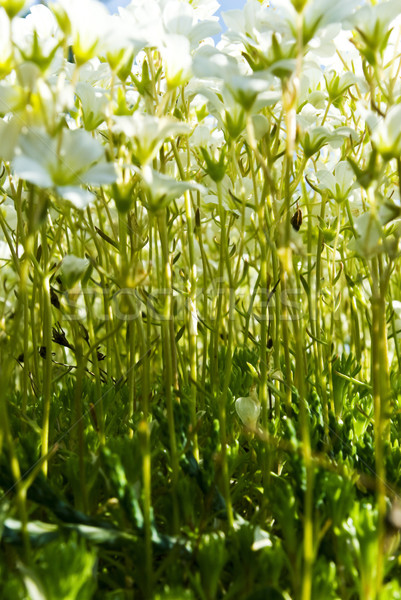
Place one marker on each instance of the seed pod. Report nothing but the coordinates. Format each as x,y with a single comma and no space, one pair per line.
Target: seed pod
248,410
393,517
100,355
54,299
296,219
59,337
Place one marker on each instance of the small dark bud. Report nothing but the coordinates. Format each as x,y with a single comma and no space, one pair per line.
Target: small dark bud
85,333
59,338
100,355
296,219
54,299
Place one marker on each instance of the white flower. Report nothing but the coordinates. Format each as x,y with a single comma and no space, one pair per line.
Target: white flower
338,185
321,13
5,44
387,135
374,23
177,60
368,235
93,102
144,16
9,213
180,19
38,36
120,42
246,89
9,133
210,62
148,133
10,97
162,189
205,9
313,139
252,24
64,162
86,21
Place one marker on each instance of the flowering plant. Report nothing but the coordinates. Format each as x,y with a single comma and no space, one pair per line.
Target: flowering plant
200,338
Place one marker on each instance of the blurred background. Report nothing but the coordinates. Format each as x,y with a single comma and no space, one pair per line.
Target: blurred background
113,5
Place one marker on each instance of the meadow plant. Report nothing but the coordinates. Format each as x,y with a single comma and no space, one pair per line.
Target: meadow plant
200,300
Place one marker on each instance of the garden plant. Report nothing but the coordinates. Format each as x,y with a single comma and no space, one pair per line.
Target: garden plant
200,300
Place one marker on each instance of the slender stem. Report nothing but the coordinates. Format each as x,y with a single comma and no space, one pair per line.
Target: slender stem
192,321
319,379
169,351
82,496
380,386
222,401
47,343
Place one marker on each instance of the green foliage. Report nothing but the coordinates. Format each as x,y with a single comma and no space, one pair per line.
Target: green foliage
200,307
64,569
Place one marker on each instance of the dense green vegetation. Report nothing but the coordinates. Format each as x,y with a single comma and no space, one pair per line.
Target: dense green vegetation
200,301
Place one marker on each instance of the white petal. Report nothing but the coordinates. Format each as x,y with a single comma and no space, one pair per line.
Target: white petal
32,171
100,174
77,196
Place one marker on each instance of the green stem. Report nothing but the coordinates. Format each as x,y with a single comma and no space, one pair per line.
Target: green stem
380,386
228,358
47,343
192,314
78,423
169,352
319,378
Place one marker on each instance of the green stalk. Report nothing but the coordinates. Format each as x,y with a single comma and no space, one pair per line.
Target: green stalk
380,386
78,422
99,408
192,314
125,279
47,342
285,277
205,312
22,268
192,324
222,403
7,438
144,436
308,541
169,352
215,337
319,379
